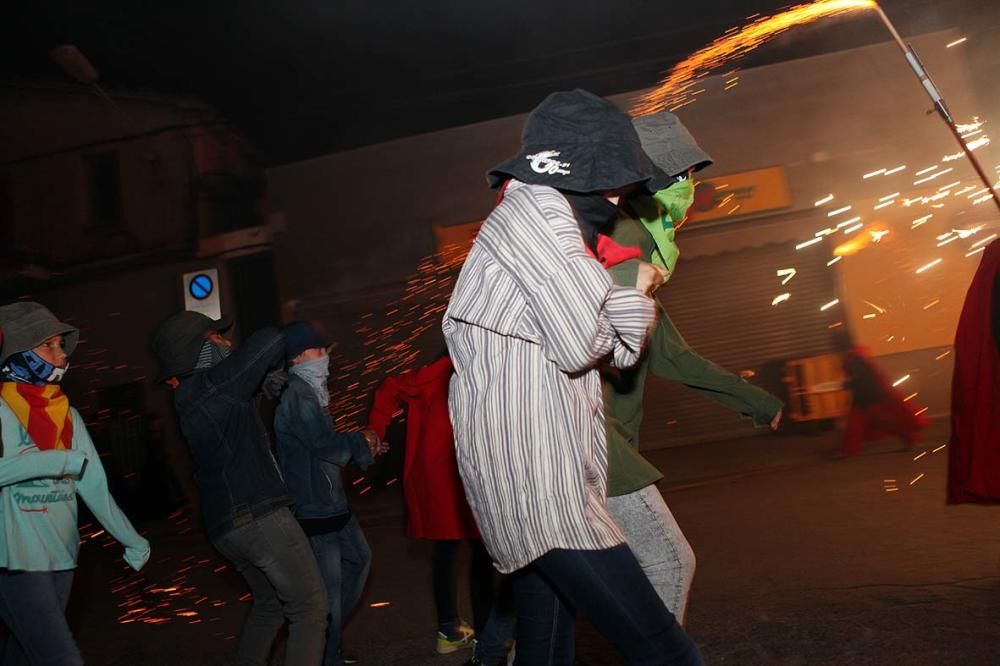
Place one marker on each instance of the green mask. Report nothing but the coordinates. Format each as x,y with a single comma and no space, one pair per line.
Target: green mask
677,199
660,213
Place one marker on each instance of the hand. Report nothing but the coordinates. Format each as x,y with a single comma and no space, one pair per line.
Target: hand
776,421
650,277
375,445
274,383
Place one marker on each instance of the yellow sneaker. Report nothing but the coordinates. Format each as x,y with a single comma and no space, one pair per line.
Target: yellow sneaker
463,637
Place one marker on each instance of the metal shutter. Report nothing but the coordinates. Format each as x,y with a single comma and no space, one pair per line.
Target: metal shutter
722,306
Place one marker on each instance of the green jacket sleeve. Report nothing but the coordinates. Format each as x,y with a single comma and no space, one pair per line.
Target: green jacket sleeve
672,358
40,465
93,489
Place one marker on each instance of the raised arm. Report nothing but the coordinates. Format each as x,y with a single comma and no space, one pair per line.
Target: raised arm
242,371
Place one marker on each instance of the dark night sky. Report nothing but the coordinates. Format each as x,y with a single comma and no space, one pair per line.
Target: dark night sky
308,77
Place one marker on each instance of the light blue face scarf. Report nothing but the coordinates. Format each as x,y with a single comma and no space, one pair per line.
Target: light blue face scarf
315,373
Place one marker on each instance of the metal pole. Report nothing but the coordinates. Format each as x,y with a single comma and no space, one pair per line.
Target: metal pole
939,103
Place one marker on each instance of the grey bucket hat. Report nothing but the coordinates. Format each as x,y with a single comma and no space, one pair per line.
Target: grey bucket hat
578,142
27,324
178,341
670,146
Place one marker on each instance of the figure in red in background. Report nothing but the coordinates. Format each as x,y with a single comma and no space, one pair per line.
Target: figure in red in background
974,451
435,498
877,409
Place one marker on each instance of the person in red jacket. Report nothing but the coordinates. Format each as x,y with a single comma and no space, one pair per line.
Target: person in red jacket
877,410
435,498
974,450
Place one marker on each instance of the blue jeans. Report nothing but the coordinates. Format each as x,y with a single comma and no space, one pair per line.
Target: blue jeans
609,588
344,560
273,554
33,606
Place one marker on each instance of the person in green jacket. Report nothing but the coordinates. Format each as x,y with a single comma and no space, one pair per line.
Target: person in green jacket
47,460
633,499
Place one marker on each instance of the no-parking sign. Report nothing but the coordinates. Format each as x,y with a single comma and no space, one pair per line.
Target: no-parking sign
201,292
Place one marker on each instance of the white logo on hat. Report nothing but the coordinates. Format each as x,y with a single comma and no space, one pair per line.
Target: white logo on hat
543,163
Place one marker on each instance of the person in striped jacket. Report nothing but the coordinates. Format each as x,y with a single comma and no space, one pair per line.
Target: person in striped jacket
531,317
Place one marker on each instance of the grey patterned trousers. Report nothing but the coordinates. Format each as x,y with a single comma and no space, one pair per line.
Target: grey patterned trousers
658,543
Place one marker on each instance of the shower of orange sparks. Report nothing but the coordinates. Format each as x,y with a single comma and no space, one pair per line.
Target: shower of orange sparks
677,89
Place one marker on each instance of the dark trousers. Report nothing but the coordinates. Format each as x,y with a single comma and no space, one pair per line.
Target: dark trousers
609,588
481,582
274,556
33,606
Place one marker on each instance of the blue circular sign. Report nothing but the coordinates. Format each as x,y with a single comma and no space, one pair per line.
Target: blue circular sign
201,287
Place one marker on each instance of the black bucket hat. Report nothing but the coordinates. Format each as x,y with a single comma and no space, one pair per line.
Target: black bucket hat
671,147
26,325
579,142
178,341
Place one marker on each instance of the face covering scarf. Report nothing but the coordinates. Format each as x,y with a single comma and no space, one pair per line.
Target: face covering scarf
27,367
39,405
211,354
315,373
660,214
594,214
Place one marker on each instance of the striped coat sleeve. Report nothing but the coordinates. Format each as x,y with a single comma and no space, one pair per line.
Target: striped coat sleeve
579,315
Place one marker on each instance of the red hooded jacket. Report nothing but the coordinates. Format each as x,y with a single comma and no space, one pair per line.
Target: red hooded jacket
974,451
435,497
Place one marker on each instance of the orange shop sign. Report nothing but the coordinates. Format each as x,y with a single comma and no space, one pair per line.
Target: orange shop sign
740,194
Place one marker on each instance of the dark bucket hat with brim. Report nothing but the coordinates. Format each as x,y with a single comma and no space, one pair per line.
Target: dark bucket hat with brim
579,142
670,146
178,341
26,325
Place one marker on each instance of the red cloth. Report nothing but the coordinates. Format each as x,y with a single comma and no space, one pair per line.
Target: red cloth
974,450
435,497
878,410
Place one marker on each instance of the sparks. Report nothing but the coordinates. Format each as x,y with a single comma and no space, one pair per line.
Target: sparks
939,448
917,478
781,298
808,243
957,42
827,199
676,88
941,356
833,261
838,211
928,266
984,241
829,305
787,273
900,381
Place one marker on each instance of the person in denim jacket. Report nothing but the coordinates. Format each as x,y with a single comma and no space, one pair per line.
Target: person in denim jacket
313,456
244,504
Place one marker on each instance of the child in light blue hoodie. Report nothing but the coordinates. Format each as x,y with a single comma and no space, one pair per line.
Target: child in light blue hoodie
48,459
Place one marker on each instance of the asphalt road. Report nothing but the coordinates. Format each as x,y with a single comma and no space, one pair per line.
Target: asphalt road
802,559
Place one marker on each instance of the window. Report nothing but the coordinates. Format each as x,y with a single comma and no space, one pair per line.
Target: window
104,188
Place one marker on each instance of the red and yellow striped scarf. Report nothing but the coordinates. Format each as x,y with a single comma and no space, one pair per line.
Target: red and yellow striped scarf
43,411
